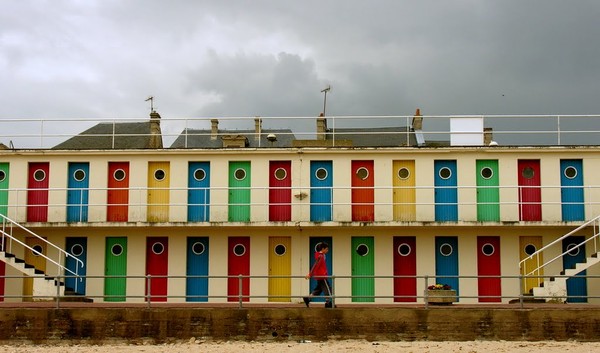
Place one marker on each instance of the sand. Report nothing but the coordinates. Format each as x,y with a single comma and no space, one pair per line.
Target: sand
329,346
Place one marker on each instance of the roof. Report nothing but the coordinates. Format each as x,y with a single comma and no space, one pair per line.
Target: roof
113,136
374,137
196,138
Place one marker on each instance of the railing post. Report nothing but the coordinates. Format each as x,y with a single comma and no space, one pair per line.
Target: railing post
148,289
332,292
240,290
425,292
57,283
521,289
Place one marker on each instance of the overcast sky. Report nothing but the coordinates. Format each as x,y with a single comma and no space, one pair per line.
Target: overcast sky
103,58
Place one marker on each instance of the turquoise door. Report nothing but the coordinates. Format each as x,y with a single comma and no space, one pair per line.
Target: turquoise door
115,283
488,193
77,193
328,261
571,192
199,192
239,192
446,194
363,266
321,191
77,247
197,269
577,285
446,261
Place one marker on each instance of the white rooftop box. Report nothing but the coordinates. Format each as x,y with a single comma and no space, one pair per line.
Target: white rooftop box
466,131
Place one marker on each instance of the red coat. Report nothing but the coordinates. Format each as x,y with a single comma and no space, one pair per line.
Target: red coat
319,269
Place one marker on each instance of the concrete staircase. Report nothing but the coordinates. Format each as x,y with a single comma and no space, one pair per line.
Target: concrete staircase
44,287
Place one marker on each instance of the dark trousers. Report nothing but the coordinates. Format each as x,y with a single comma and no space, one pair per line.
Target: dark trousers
322,287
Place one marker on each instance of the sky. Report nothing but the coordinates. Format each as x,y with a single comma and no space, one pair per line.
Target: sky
73,59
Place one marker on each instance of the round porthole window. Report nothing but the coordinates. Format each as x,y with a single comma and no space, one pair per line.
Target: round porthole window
116,250
362,173
198,248
321,173
446,249
158,248
2,175
37,250
403,173
280,250
119,175
488,249
487,172
528,173
199,174
570,172
404,249
530,249
362,250
572,249
239,174
39,175
77,250
239,250
445,173
159,174
79,175
280,173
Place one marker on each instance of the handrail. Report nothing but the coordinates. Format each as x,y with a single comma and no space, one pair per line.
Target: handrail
61,251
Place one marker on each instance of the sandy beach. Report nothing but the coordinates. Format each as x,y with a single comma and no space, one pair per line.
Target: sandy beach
329,346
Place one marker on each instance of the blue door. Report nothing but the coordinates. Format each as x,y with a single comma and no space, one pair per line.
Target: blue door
446,195
328,261
78,248
197,265
199,192
77,193
576,286
571,192
446,261
321,192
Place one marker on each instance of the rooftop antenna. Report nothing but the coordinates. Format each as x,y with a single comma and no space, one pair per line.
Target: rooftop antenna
327,89
151,99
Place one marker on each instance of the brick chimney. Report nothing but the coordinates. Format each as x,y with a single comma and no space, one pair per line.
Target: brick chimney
321,127
214,129
417,122
155,133
257,128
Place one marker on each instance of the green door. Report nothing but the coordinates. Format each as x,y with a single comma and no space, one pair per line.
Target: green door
363,264
239,192
488,193
116,265
4,189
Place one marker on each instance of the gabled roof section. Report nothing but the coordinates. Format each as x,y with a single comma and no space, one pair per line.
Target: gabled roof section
198,138
374,137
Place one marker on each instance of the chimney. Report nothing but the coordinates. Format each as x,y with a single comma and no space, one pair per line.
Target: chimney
321,127
257,128
155,133
214,128
417,122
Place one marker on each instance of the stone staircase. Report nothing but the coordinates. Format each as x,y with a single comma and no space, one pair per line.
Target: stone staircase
44,287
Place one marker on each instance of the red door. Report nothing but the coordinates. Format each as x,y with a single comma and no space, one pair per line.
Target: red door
530,193
157,264
405,264
118,192
37,192
488,264
363,194
280,192
238,263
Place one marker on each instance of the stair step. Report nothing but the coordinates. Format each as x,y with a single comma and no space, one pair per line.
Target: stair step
9,255
28,265
19,261
39,272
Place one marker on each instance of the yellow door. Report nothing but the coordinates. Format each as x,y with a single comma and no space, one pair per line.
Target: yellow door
404,190
528,245
33,258
158,191
280,264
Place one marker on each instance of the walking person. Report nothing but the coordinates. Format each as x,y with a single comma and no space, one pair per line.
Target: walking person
319,273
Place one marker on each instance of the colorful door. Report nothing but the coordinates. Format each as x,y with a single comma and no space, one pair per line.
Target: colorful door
158,191
488,264
321,191
238,263
157,267
363,193
4,169
78,193
239,192
36,259
77,247
404,177
405,264
118,192
488,193
280,265
446,261
197,265
446,195
37,192
363,264
115,284
571,192
313,242
528,246
280,191
530,193
576,285
199,192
